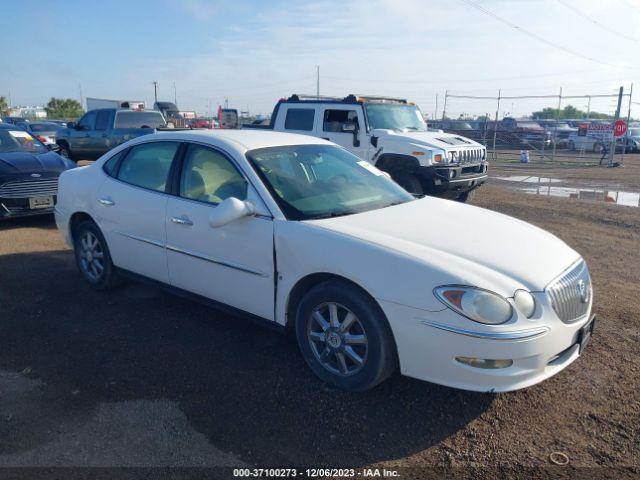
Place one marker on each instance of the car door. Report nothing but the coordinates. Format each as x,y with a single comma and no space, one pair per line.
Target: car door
131,207
344,125
98,141
80,136
232,263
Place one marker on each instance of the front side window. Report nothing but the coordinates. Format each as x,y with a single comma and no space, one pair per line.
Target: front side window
334,120
87,121
102,119
299,119
139,120
208,176
148,165
320,181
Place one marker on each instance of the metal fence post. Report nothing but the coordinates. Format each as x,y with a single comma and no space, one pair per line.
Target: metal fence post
553,153
624,148
612,144
495,127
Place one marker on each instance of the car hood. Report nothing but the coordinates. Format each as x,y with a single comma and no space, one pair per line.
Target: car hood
23,162
444,141
471,245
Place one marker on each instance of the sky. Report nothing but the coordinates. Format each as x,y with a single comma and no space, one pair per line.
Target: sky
255,52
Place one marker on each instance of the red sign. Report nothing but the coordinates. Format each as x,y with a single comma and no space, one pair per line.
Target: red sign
620,128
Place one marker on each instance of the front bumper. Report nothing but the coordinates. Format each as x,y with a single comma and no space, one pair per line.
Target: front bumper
539,348
453,180
19,207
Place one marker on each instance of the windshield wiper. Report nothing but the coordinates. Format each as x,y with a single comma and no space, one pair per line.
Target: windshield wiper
332,214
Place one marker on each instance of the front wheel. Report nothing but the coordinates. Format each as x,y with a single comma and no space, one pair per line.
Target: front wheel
409,182
92,256
466,196
344,337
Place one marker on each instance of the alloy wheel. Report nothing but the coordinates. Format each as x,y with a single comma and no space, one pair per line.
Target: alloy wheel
337,338
91,256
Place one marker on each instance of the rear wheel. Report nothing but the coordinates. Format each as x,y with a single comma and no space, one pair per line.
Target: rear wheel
344,337
466,196
409,182
92,256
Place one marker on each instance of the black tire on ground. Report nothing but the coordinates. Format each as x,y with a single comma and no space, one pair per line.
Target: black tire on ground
466,196
409,182
88,253
378,354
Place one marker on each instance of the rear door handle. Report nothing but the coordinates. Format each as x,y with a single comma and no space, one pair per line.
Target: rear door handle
186,221
106,201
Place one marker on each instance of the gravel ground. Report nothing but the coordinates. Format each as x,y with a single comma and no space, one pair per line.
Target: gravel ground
138,377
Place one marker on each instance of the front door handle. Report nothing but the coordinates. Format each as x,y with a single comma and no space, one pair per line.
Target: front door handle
106,201
186,221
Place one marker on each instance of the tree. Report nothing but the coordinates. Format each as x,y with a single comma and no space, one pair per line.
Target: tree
567,112
4,107
63,108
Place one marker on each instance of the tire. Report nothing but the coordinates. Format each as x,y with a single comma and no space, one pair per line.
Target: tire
352,349
409,182
466,196
92,256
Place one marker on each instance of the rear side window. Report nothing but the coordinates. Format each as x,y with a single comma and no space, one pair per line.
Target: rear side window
148,165
299,119
139,120
102,120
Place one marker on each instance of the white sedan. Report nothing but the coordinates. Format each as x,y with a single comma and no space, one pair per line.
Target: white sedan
298,232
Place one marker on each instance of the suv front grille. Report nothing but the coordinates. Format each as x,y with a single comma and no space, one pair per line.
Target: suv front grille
571,293
470,155
29,188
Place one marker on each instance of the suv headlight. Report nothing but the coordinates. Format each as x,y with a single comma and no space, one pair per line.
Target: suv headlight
474,303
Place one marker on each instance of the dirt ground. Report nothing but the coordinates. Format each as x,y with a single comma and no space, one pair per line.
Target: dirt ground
137,377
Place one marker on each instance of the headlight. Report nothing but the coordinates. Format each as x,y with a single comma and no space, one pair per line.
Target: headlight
474,303
525,303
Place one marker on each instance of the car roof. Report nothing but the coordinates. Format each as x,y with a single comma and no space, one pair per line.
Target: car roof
248,139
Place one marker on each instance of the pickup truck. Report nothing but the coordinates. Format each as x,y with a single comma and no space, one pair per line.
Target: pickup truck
391,134
98,131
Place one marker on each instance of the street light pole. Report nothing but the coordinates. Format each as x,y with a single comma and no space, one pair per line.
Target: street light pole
155,91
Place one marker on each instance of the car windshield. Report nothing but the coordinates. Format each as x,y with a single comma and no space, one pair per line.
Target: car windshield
321,181
45,127
395,116
12,141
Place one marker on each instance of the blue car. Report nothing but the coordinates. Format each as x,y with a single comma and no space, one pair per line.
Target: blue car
29,173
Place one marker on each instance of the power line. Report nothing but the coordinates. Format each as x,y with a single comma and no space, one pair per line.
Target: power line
540,38
595,22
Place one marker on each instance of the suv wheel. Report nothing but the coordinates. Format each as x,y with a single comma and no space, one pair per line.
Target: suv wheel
344,337
92,256
409,182
466,196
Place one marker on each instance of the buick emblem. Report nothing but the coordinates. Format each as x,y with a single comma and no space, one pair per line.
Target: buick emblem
583,291
36,175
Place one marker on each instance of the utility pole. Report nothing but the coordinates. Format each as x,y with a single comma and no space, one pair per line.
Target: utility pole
495,127
226,102
553,154
175,96
318,81
612,145
628,119
435,112
444,108
81,99
155,91
588,107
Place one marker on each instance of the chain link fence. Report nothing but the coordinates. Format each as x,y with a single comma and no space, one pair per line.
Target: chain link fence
558,128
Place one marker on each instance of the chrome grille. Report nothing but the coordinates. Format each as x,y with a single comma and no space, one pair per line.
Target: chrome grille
571,293
467,156
29,188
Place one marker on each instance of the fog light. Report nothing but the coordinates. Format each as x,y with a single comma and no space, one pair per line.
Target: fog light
484,363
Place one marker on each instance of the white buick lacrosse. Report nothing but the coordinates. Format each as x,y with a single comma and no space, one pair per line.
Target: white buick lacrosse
299,233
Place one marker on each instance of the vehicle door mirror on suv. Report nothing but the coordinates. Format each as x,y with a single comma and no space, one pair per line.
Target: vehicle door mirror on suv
352,128
71,124
229,210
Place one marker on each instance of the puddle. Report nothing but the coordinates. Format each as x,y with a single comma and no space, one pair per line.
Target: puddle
528,179
544,187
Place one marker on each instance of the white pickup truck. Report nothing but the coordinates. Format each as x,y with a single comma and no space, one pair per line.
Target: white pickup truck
391,134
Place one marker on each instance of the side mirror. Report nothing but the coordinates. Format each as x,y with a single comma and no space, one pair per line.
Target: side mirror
229,210
71,124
